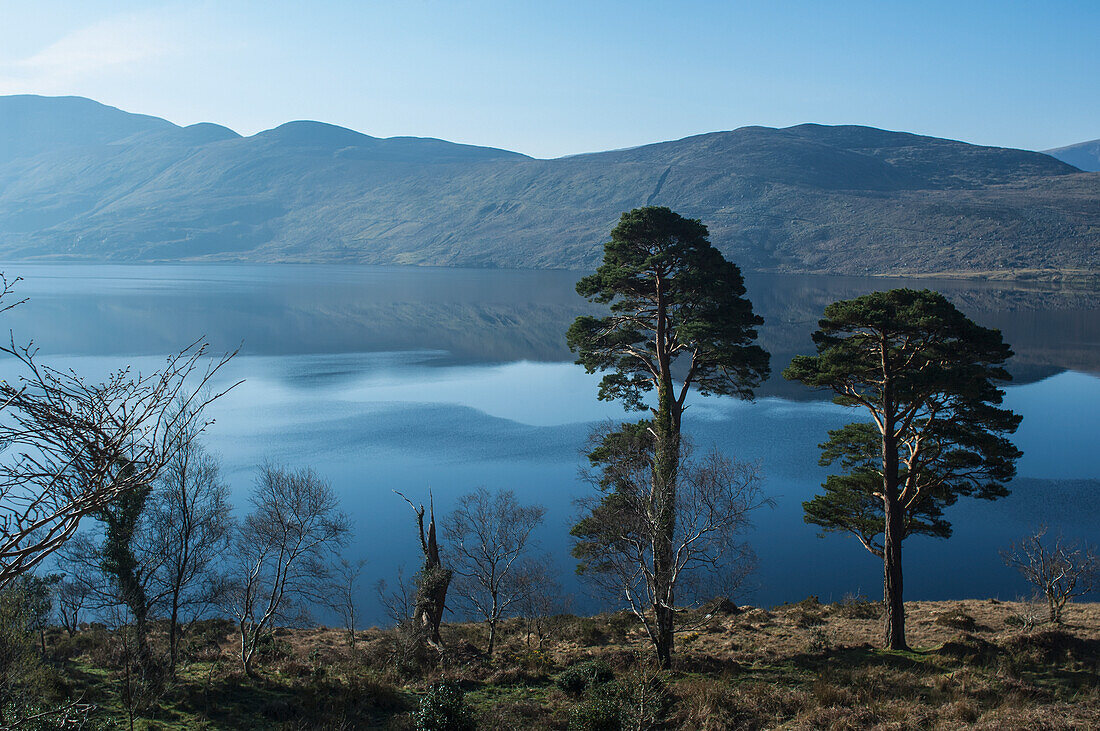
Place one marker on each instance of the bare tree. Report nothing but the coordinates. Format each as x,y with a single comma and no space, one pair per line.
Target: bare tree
140,684
283,552
343,597
115,568
1060,571
188,525
541,597
70,446
489,534
432,581
399,603
161,548
615,538
72,598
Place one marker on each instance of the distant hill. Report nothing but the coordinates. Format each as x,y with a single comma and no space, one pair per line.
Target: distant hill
1083,155
79,180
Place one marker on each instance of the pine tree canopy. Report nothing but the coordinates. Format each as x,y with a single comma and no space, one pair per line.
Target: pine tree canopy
928,377
672,297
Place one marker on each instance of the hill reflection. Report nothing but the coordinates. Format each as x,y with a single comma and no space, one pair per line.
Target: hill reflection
467,316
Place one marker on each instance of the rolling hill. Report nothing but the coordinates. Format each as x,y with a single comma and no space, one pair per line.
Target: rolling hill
79,180
1083,155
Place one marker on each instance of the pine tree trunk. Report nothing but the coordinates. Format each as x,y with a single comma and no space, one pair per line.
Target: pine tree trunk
893,600
893,529
665,471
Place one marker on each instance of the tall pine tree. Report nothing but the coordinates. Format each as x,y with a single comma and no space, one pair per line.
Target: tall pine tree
678,320
928,378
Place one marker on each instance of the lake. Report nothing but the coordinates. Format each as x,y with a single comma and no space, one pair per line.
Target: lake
410,379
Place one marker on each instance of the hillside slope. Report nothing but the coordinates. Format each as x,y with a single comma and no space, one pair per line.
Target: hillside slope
809,198
1084,155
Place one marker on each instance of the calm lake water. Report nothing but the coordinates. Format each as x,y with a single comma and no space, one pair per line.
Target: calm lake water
387,378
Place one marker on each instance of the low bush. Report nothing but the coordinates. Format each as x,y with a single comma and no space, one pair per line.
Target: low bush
957,619
591,633
601,710
857,607
443,708
581,676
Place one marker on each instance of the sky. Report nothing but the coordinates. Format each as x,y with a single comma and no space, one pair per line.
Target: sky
554,78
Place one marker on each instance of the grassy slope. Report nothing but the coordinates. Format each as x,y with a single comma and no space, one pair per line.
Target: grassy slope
797,666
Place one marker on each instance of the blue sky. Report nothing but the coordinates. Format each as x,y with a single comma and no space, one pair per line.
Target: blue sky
554,78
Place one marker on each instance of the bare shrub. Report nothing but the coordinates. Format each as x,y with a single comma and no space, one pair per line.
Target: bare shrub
714,501
1058,570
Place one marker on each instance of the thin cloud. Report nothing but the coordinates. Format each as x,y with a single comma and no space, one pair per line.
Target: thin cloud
119,44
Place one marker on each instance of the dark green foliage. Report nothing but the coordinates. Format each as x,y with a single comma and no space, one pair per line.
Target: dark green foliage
443,708
943,401
850,503
35,597
581,676
600,710
928,378
658,260
618,457
26,682
118,561
639,700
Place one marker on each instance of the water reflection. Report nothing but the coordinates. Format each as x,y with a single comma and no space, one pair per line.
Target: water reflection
467,316
392,378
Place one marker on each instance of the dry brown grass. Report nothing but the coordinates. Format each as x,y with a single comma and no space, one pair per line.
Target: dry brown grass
801,666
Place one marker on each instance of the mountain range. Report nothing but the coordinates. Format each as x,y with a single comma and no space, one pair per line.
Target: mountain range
84,181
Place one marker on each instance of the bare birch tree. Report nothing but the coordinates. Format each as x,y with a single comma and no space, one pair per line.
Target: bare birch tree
541,597
284,552
72,599
188,524
343,599
489,534
615,538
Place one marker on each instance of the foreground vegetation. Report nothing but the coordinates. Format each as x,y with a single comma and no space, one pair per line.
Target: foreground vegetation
979,663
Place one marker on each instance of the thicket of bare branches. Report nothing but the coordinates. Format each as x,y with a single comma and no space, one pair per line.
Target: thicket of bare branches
72,445
72,599
540,597
283,553
398,599
189,523
343,600
174,550
1058,570
489,534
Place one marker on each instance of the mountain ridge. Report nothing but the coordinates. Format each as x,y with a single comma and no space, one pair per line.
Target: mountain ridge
808,198
1083,155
